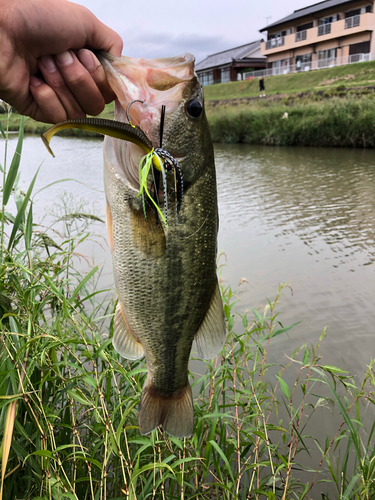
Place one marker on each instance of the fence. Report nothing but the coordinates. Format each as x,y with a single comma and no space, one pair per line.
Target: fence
285,68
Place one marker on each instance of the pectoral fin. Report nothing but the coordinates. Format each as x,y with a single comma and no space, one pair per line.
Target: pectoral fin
211,334
123,339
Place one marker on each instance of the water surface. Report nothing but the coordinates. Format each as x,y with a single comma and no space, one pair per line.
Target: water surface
302,215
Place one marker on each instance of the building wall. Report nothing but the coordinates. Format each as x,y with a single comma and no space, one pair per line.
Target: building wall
342,44
341,9
340,37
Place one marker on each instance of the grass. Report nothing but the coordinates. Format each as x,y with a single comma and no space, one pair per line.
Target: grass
68,401
33,127
335,122
351,75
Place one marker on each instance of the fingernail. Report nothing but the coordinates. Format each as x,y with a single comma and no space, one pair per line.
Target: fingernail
34,81
48,63
65,58
87,59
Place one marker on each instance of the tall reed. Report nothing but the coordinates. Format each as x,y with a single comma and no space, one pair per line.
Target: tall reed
68,401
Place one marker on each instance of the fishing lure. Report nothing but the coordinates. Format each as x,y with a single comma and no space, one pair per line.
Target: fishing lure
157,158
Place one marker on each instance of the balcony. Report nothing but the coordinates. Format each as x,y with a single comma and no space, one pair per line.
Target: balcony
352,22
308,66
301,35
275,42
343,27
324,29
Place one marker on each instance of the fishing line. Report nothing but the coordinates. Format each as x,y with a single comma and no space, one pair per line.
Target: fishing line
190,235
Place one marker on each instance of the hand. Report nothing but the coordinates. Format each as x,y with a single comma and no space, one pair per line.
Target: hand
46,69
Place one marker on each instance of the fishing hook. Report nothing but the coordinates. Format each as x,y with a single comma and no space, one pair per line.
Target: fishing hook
127,110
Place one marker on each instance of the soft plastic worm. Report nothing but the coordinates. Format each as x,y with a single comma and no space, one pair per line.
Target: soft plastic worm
113,128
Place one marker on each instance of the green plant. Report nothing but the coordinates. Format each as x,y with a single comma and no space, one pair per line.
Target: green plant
68,401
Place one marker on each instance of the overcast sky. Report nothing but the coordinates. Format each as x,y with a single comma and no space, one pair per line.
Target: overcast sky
163,28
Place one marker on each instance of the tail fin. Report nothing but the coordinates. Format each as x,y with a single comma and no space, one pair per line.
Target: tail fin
175,413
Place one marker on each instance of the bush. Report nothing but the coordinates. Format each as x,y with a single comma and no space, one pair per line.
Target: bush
338,122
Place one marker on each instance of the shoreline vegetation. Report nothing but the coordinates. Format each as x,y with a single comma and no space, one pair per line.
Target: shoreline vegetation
68,401
329,107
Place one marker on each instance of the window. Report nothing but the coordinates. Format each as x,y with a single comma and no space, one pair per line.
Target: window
301,35
359,48
305,26
275,42
327,58
324,29
352,13
359,52
324,24
225,75
206,78
276,67
303,63
329,19
352,22
285,66
286,32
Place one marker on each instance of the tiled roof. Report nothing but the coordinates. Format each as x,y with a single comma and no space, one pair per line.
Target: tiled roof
306,11
227,56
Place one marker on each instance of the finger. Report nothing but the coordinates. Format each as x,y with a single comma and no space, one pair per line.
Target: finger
54,79
46,106
99,36
80,83
96,70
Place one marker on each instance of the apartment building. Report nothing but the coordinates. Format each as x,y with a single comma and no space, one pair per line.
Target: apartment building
325,34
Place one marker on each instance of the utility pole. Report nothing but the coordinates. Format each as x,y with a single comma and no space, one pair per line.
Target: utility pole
266,18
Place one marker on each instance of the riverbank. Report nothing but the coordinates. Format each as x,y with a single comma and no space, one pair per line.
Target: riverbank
332,107
335,122
37,128
351,75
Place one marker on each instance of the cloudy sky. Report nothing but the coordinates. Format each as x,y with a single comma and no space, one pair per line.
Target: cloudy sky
160,28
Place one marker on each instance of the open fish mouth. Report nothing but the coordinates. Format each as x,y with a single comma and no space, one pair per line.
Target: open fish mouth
150,84
147,91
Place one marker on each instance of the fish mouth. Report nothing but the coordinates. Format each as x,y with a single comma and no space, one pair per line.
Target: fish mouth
154,82
145,89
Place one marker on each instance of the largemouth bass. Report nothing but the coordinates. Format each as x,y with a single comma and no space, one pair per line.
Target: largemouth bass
165,275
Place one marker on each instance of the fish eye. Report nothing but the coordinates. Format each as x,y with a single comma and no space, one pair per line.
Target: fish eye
194,108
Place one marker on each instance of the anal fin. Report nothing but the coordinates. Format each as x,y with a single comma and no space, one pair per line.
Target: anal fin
175,414
123,339
211,334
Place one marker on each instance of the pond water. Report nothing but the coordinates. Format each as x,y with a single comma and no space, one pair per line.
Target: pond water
302,215
306,216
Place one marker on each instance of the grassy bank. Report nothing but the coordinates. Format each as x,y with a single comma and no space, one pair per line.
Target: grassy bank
338,122
33,127
351,75
328,107
68,401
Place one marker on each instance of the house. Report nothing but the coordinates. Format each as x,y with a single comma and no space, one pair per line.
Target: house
325,34
228,66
